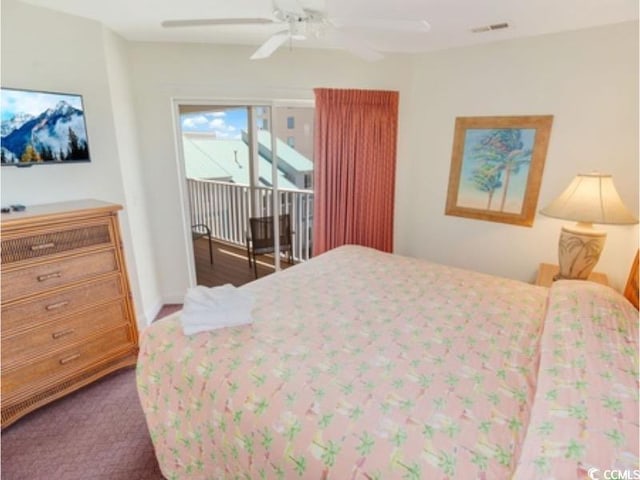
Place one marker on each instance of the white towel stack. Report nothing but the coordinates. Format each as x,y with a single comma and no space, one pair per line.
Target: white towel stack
212,308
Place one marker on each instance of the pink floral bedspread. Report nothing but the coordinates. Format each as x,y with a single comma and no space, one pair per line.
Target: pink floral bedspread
358,365
584,422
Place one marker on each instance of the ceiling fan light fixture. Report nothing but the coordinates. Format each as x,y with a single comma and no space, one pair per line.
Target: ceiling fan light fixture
298,31
302,24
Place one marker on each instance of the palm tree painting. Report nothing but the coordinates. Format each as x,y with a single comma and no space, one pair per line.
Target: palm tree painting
496,161
496,167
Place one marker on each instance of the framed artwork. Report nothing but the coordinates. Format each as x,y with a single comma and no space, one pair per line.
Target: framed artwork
496,167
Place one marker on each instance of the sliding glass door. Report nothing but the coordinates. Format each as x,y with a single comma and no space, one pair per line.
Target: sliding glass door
243,162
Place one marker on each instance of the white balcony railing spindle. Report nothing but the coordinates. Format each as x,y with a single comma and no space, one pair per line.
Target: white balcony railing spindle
225,207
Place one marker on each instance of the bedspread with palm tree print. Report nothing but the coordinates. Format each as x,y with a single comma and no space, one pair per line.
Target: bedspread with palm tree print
358,365
584,422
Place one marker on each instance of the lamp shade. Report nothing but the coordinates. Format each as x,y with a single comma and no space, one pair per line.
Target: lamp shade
590,198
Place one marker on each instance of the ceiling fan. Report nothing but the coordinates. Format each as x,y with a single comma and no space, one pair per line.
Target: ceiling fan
301,23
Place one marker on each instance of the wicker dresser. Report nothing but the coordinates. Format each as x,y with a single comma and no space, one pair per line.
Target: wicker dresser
67,316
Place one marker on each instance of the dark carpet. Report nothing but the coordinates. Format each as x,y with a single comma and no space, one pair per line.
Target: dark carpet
98,432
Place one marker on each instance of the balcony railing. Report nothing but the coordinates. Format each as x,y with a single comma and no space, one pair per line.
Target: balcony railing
226,208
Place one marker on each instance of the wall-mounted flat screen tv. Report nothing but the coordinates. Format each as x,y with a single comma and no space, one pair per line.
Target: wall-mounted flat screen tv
42,128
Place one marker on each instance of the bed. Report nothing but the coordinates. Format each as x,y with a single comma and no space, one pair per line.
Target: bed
366,365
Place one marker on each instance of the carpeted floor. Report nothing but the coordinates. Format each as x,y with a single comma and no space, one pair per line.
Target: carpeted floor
98,433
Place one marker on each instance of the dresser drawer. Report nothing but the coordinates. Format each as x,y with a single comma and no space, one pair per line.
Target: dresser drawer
51,242
38,278
24,315
22,348
52,369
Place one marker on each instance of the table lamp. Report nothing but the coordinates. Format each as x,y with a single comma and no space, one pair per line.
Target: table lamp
589,198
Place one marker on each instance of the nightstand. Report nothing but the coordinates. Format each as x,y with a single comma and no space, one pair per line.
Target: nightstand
546,272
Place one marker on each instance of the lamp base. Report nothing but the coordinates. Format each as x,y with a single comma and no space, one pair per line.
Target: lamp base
578,251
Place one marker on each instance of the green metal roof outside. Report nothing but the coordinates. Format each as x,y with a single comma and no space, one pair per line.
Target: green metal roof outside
225,160
285,153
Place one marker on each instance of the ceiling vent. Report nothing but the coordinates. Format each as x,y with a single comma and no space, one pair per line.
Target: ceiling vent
488,28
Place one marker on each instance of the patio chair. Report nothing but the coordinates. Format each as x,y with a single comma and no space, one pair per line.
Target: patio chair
260,238
200,230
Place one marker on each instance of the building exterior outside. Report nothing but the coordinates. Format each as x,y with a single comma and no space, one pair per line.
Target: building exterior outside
294,125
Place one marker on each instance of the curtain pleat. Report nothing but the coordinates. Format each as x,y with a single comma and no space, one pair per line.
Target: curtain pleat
355,160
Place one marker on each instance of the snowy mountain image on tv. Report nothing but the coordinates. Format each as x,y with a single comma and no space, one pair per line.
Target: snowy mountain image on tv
42,127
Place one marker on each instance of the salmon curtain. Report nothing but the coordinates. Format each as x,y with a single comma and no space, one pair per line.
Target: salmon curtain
355,161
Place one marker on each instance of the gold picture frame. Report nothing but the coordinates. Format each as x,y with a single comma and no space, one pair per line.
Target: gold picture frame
496,167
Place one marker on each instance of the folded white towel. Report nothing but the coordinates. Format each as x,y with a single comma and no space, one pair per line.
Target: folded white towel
212,308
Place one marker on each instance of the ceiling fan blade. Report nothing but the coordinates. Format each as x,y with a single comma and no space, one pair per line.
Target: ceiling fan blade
271,45
418,26
290,6
200,22
354,45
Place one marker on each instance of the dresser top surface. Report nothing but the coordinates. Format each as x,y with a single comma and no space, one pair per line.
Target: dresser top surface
58,211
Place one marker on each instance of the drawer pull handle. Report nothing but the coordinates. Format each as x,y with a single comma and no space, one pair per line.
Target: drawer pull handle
55,306
70,358
43,246
62,333
49,276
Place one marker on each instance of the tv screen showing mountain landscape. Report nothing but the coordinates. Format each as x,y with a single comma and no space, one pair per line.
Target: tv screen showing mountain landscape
40,128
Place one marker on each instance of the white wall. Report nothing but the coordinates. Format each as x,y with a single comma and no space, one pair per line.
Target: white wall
144,277
61,53
587,79
162,72
45,50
